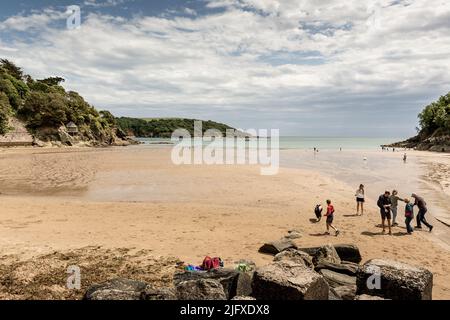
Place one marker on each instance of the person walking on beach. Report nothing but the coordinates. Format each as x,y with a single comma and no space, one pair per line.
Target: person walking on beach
394,206
360,199
405,157
409,215
330,218
422,205
384,203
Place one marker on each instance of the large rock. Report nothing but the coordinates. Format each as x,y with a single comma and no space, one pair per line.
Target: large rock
335,279
287,280
202,289
116,289
322,254
348,252
151,293
345,292
295,256
368,297
397,280
276,247
235,283
332,295
348,268
294,234
243,298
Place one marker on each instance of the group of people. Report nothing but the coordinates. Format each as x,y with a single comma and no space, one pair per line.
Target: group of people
388,204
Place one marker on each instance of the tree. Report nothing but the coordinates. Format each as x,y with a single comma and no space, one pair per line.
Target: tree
108,117
44,110
5,113
52,81
12,69
11,92
436,116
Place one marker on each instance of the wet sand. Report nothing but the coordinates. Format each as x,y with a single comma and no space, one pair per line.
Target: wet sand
135,198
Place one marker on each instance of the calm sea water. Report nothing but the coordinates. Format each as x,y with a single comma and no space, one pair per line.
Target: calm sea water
322,143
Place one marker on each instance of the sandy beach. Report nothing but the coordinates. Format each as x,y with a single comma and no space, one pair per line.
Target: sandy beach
131,212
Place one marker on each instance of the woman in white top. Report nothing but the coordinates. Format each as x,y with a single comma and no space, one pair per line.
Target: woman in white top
360,199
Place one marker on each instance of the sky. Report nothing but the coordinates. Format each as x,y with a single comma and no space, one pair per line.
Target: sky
306,67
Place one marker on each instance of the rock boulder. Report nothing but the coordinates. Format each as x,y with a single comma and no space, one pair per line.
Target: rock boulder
276,247
116,289
202,289
394,280
287,280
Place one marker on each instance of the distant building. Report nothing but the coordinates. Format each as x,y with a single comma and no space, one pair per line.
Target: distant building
72,128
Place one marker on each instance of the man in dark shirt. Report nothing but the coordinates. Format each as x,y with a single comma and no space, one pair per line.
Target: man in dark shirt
422,205
384,203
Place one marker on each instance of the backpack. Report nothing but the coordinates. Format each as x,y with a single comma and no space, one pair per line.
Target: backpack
211,263
318,211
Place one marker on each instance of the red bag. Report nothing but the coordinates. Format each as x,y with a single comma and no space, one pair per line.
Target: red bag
211,263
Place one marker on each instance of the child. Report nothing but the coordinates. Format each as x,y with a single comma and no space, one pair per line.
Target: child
330,218
409,214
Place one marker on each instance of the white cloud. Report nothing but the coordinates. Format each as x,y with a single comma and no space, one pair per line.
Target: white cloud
257,63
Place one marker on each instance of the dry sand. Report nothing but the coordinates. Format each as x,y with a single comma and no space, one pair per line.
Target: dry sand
101,207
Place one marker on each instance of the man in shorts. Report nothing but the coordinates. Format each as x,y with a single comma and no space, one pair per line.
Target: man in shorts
385,204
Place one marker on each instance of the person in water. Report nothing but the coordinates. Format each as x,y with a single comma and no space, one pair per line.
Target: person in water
330,218
384,203
360,199
409,216
422,205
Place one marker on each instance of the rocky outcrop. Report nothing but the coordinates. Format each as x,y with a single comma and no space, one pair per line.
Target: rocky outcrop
345,292
437,142
234,283
296,256
243,298
348,268
293,234
202,289
323,254
150,294
394,280
336,279
367,297
276,247
287,280
116,289
348,252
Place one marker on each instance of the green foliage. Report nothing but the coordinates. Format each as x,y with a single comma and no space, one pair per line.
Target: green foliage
11,69
436,116
108,118
44,110
52,81
44,105
5,112
11,92
163,128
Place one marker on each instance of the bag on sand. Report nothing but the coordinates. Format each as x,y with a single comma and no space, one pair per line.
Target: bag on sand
318,211
211,263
